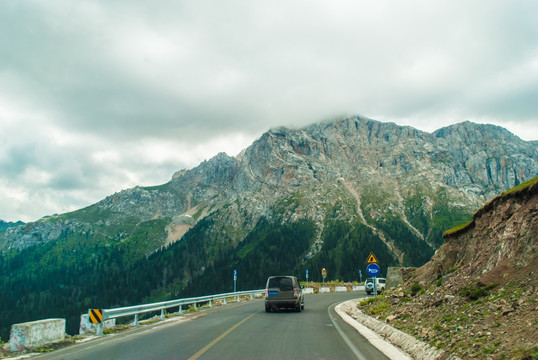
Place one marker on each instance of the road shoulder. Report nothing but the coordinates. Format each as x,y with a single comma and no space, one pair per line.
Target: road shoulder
393,343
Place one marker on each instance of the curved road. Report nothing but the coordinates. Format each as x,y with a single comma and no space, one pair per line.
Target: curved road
237,331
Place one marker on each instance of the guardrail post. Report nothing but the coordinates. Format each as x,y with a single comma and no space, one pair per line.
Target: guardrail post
162,314
251,296
194,306
237,299
210,303
136,320
180,310
225,303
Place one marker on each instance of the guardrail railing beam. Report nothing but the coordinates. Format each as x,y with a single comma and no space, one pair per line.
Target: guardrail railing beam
163,305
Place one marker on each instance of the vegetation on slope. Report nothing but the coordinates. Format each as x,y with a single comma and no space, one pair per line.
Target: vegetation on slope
345,249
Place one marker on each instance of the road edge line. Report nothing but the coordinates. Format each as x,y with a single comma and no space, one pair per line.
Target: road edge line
349,343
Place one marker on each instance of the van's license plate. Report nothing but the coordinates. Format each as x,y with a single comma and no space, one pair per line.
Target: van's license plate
273,292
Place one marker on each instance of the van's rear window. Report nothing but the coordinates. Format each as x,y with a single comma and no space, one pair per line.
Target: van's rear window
283,283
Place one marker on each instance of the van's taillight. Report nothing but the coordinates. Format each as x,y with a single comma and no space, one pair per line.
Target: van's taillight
266,292
295,292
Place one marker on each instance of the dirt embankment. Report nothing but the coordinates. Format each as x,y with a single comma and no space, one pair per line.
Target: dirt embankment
477,297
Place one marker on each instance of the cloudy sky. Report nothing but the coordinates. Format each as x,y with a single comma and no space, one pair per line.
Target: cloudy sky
99,96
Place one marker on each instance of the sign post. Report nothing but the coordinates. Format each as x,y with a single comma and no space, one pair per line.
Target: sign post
323,275
373,269
235,280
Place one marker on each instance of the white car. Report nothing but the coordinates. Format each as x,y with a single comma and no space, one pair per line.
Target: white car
379,284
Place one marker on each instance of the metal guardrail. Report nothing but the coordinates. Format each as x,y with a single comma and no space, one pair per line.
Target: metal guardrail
136,310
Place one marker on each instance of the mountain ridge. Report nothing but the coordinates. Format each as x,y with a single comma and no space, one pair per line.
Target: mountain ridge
290,158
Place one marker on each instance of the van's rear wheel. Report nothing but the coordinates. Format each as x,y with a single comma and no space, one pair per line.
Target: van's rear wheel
267,309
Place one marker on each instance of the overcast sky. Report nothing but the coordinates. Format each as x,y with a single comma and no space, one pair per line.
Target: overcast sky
100,96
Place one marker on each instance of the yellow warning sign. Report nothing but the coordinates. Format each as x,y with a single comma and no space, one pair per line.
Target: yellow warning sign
96,316
372,259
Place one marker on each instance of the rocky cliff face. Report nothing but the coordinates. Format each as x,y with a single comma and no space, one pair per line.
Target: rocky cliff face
485,159
376,173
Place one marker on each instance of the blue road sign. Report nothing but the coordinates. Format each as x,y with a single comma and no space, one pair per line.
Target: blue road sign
373,269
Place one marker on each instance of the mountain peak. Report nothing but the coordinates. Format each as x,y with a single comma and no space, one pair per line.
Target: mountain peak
474,131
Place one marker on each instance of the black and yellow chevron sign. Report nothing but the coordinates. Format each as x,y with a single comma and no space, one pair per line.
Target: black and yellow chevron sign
96,316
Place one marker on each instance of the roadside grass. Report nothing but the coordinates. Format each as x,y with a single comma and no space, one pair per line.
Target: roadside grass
55,346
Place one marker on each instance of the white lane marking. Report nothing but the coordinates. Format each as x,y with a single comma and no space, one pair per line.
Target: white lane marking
349,343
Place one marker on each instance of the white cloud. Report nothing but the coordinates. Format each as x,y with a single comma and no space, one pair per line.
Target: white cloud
96,96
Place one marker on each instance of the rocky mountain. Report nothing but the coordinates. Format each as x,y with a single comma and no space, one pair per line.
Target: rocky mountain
477,296
321,196
374,171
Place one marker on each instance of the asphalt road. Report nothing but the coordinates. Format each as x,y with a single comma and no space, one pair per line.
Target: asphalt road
237,331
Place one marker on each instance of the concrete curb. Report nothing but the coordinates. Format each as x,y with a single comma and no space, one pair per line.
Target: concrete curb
406,346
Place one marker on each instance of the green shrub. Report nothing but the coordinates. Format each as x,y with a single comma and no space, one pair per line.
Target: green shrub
367,301
415,288
379,308
523,353
475,292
